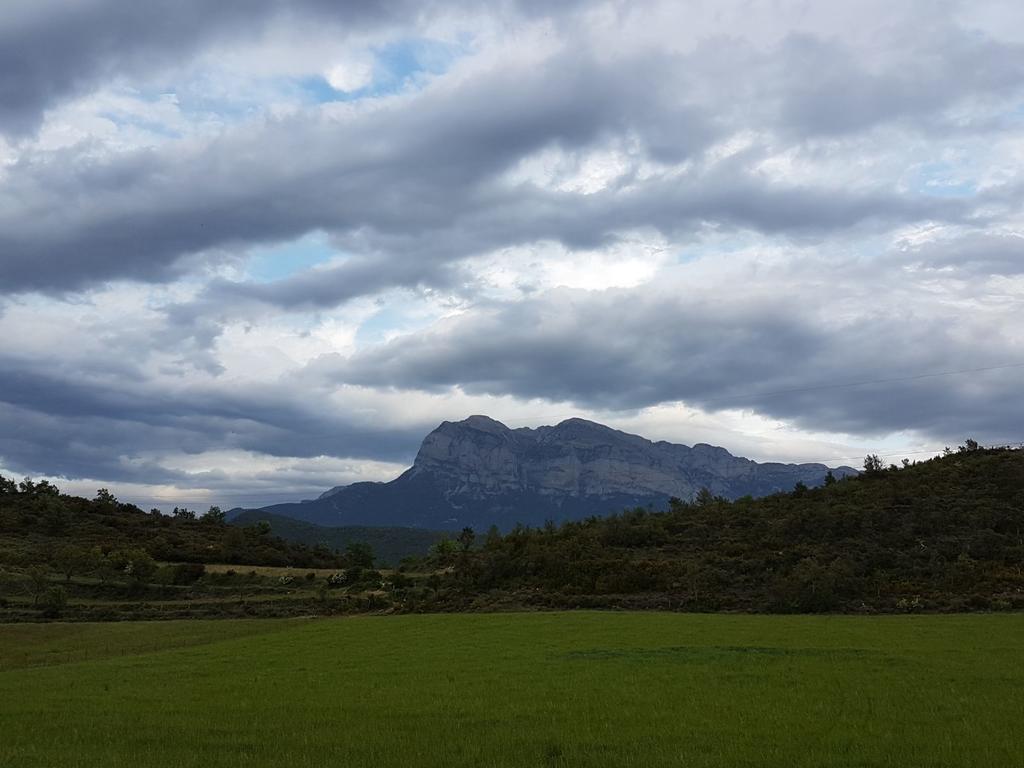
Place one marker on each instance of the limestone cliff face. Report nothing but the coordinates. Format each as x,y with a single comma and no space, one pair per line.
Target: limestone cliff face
480,457
478,472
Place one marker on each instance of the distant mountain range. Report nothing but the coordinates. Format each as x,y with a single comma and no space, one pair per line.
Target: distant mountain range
479,472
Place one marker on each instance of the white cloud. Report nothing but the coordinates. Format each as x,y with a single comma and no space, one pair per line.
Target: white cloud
351,73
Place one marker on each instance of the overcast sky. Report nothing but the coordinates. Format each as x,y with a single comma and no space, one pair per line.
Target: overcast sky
251,250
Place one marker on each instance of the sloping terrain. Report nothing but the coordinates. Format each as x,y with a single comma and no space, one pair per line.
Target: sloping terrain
947,533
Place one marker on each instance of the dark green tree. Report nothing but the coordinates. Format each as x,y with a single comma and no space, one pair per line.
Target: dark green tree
214,515
466,538
872,463
359,553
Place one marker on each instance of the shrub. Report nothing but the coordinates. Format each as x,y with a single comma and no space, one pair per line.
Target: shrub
188,573
54,602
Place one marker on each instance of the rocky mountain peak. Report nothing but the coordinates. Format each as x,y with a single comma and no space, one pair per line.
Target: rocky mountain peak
478,471
481,424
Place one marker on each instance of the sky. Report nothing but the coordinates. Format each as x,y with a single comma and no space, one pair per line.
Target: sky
251,250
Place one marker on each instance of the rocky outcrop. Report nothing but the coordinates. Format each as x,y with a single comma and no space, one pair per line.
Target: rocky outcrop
480,472
479,457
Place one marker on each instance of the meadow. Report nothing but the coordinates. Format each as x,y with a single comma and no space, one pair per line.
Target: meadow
526,689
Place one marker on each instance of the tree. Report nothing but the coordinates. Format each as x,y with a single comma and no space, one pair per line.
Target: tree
45,488
443,550
359,553
214,515
70,559
704,498
7,486
830,479
493,539
103,496
872,463
466,538
103,565
183,514
136,564
38,581
55,602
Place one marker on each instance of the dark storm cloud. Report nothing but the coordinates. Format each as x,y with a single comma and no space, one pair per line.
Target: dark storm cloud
405,170
80,425
637,348
417,180
673,207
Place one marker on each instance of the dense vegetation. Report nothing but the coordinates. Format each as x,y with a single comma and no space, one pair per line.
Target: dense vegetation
390,545
507,690
944,534
941,535
37,523
68,557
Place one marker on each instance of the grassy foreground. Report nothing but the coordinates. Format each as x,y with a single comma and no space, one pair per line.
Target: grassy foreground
554,689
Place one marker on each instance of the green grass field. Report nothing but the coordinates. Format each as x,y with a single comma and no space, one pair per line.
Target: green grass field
546,689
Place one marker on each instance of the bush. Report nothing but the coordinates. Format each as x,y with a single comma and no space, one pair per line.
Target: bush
54,602
188,573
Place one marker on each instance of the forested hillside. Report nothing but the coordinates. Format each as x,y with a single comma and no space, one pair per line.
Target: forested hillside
390,545
947,533
40,525
941,535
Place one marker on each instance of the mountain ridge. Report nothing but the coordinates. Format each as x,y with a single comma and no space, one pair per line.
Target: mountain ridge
479,472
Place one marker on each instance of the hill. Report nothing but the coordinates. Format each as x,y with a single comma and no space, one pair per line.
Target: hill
941,534
478,473
389,545
39,524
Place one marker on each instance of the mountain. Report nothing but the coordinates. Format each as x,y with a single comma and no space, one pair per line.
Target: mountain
479,472
389,545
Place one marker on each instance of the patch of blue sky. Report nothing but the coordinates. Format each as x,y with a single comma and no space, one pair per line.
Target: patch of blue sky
1016,114
397,66
714,245
122,120
276,262
391,318
942,180
200,100
136,119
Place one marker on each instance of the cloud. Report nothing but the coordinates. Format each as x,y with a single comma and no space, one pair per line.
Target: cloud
266,444
352,74
978,253
418,177
51,50
790,352
627,211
